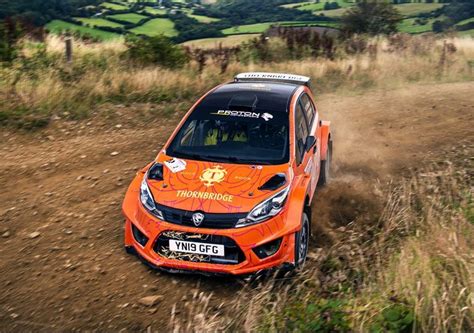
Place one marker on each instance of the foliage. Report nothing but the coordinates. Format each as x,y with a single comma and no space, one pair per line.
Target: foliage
10,32
157,50
371,17
39,12
397,317
317,316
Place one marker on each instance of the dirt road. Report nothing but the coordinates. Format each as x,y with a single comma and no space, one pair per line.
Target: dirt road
62,265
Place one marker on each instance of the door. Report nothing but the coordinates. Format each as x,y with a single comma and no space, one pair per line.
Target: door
314,161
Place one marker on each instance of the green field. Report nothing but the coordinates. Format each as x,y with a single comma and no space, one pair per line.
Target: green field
200,18
58,26
129,17
158,26
413,9
229,41
261,27
113,6
469,20
409,26
155,11
312,6
98,22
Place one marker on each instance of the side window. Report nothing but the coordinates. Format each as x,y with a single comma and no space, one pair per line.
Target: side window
301,132
308,109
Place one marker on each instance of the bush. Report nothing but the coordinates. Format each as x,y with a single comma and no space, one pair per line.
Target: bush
371,17
158,50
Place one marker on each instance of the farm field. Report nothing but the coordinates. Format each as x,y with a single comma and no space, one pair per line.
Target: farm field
410,9
58,26
129,17
200,18
261,27
99,22
312,6
409,26
156,27
229,41
114,6
155,11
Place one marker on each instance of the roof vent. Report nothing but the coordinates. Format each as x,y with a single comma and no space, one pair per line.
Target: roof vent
243,102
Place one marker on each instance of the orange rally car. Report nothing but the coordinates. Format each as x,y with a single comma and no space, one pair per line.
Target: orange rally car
231,190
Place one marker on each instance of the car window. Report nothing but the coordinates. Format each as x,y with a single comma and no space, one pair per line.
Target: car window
308,109
233,137
301,132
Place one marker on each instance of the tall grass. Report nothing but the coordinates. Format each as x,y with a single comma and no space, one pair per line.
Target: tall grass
40,84
413,270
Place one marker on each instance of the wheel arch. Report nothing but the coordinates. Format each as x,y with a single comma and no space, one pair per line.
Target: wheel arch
325,138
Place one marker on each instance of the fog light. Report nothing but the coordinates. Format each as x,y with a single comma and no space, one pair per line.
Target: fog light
267,249
139,236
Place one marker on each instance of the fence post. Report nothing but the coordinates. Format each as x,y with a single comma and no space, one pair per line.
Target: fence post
68,41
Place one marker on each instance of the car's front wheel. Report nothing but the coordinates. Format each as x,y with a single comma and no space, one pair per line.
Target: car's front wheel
302,242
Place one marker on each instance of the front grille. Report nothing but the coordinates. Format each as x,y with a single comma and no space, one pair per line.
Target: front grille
211,220
233,253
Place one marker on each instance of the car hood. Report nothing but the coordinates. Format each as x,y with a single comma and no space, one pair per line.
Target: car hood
213,187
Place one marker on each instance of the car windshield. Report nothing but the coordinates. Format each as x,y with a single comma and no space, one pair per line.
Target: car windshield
243,137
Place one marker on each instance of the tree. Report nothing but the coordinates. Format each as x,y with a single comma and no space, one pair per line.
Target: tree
371,17
158,50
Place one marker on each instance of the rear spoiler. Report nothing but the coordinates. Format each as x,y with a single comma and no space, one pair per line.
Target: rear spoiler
273,77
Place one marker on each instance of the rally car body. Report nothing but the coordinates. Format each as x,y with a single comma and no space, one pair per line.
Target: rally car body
230,191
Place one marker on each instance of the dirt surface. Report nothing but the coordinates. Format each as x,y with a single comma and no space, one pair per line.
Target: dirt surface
62,263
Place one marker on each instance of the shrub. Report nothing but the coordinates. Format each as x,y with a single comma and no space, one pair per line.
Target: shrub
371,17
158,50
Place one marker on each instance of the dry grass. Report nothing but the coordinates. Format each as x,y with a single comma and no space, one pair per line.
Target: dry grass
413,270
42,85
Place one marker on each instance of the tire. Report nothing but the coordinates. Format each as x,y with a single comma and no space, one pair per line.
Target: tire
302,241
325,174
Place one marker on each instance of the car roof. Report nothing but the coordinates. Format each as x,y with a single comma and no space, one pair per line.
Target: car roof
251,96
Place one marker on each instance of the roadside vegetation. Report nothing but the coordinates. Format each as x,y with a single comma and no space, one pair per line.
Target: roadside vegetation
410,269
38,84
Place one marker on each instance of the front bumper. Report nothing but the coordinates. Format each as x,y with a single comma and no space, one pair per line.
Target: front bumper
240,240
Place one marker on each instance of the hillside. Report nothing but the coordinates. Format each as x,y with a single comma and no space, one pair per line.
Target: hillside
189,20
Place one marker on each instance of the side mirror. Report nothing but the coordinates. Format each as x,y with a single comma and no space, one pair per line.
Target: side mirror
310,143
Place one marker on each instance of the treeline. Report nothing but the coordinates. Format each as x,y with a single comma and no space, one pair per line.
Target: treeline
453,13
39,12
238,12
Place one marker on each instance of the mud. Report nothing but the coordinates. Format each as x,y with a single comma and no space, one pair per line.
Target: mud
62,264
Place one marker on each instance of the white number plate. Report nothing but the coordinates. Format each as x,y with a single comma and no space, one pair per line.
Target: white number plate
198,248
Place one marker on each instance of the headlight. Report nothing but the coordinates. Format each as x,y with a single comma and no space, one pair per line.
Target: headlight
147,199
265,210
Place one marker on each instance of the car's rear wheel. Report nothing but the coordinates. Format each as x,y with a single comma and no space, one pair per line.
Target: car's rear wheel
302,242
324,175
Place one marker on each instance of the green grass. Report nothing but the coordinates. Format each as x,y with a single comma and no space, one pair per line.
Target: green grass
98,22
155,11
113,6
312,6
156,27
413,9
229,41
200,18
469,20
129,17
408,25
261,27
58,26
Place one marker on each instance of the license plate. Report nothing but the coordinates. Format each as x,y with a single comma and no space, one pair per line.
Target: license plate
197,248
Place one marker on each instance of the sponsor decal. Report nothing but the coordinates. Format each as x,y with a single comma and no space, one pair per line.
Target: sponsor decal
216,174
204,195
267,116
176,165
244,114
